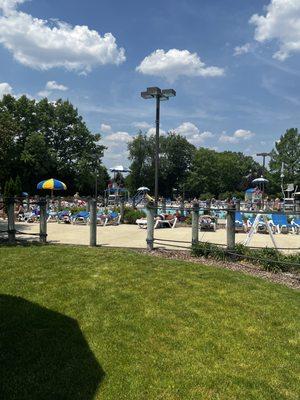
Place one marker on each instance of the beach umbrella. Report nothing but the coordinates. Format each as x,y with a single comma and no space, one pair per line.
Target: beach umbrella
143,189
51,184
260,180
119,168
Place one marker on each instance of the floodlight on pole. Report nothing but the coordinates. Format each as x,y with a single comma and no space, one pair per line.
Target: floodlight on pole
160,95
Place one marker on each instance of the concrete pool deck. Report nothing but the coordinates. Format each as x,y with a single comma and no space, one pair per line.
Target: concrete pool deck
133,236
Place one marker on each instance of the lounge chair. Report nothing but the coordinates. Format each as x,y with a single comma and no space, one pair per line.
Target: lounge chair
295,223
163,223
64,216
280,224
142,223
81,217
240,225
261,226
207,223
113,218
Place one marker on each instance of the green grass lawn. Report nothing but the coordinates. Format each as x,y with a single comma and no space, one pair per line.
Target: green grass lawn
81,323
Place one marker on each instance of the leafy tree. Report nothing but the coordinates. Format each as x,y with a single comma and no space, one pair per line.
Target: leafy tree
286,151
176,155
45,139
219,172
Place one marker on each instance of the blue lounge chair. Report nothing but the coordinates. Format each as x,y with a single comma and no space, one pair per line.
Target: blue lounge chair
239,223
82,216
280,223
295,223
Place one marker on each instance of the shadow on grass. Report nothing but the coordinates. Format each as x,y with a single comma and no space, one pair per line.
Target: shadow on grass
43,354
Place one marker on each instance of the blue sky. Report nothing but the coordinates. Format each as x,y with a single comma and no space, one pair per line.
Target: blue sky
234,65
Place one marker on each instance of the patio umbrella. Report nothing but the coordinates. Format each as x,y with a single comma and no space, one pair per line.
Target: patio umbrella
51,184
119,168
143,189
260,180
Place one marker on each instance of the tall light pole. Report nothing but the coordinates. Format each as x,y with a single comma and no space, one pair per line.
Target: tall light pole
159,95
264,155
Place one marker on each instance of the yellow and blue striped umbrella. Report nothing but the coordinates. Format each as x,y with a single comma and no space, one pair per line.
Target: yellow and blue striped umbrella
52,184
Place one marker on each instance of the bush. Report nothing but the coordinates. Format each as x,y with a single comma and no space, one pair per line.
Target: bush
130,215
268,258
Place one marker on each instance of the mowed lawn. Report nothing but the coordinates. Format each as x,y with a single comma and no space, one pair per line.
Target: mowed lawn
91,323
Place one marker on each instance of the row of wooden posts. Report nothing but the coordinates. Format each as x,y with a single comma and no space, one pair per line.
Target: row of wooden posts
230,226
151,212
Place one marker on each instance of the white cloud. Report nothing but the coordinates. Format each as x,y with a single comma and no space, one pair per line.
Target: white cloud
116,143
175,63
281,23
105,128
193,134
240,134
141,125
44,93
239,50
119,137
53,85
38,44
5,88
152,131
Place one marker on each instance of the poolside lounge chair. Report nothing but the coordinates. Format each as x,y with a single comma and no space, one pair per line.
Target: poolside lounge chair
261,226
280,224
81,217
207,223
295,223
113,218
166,223
52,216
240,225
142,223
64,216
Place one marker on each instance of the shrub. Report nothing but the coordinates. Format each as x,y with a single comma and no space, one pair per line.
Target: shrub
268,258
130,215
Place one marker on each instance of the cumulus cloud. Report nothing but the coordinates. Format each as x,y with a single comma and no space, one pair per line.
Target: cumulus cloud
39,44
152,131
240,134
116,143
239,50
105,128
193,134
174,63
141,125
118,137
53,85
5,88
281,23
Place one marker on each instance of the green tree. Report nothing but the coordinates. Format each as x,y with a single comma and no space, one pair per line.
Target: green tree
176,155
45,139
286,151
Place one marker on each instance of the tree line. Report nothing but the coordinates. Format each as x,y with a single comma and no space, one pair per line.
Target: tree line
206,173
43,139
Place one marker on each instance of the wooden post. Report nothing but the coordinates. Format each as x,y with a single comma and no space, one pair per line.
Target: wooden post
88,204
238,204
122,209
195,224
93,222
231,228
150,209
11,220
43,220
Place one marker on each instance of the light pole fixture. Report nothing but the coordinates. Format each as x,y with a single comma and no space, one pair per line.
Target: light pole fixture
264,155
159,95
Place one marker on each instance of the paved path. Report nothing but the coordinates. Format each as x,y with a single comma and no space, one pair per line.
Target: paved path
133,236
